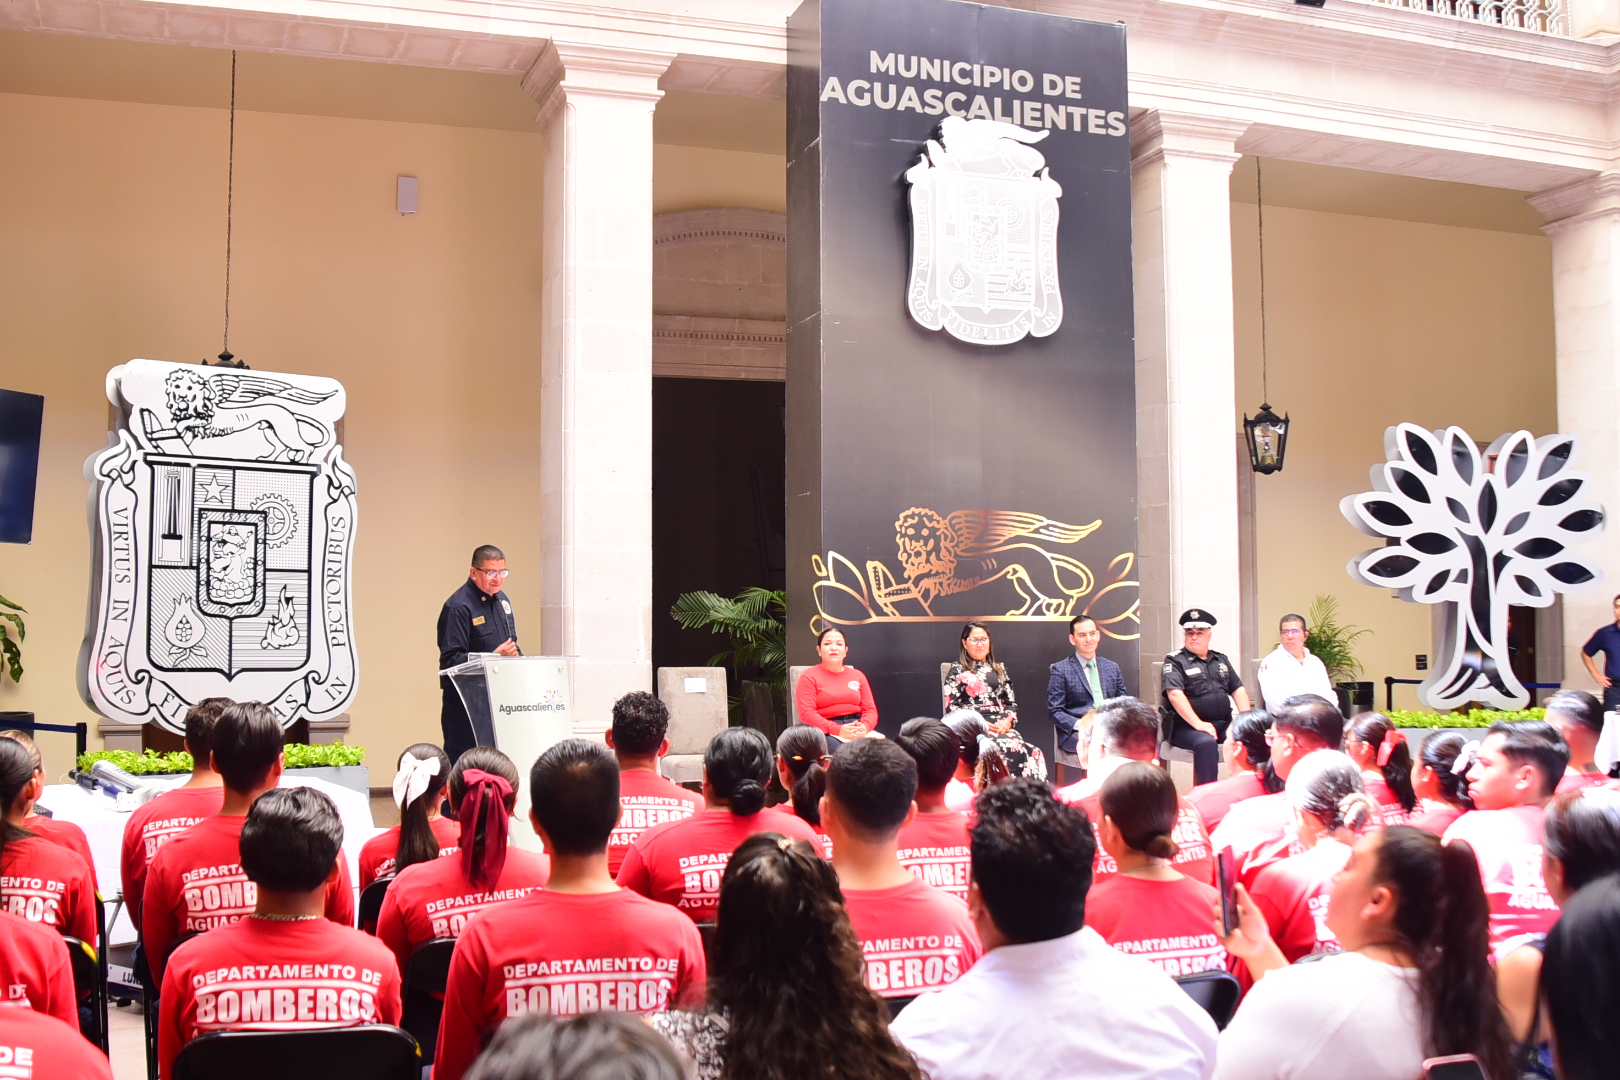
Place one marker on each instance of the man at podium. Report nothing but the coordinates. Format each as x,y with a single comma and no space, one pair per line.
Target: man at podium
476,619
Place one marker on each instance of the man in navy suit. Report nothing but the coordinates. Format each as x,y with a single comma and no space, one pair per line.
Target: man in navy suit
1079,683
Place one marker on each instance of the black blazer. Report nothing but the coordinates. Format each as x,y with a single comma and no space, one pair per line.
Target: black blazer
1068,694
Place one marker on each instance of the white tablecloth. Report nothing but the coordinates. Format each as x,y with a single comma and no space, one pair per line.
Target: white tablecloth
103,826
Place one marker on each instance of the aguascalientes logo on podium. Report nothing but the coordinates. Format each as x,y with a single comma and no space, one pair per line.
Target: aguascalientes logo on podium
225,519
984,224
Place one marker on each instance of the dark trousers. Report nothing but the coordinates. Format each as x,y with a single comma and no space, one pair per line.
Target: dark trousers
1611,697
453,722
1206,751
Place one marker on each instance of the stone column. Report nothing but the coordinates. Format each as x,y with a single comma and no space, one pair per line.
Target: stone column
1187,495
1583,221
596,110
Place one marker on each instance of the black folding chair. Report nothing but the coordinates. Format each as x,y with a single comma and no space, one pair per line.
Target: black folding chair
425,975
367,1052
91,988
149,1008
371,901
706,930
101,968
1216,992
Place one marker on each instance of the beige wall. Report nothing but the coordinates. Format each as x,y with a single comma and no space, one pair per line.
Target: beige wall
113,219
1374,322
699,178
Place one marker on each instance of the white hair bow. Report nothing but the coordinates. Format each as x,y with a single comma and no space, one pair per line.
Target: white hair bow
412,778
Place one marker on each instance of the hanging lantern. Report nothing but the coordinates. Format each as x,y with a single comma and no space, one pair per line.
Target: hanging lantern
1267,436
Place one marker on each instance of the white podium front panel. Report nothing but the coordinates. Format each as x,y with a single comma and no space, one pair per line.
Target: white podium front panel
530,704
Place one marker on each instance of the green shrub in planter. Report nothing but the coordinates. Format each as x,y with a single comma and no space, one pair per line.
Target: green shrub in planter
1473,718
296,756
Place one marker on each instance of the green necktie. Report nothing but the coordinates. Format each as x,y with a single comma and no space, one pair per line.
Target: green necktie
1096,683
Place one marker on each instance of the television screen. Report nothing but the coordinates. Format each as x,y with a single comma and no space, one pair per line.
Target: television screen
20,416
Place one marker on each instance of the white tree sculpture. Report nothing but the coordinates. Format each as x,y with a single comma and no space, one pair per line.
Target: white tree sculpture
1477,533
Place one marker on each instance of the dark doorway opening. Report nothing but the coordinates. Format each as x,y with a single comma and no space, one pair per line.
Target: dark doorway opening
719,501
1522,646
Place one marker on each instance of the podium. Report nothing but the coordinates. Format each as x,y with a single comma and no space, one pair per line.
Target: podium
522,706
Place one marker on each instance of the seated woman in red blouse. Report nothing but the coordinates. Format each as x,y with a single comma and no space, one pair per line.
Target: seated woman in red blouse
832,696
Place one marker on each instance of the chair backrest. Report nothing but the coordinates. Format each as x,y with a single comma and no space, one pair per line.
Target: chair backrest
423,993
794,671
944,690
706,930
1216,992
366,1052
371,901
695,715
90,985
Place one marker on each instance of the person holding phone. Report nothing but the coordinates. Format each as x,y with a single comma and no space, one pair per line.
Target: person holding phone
1414,980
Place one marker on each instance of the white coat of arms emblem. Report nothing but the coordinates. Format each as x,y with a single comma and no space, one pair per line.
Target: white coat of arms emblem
984,220
225,518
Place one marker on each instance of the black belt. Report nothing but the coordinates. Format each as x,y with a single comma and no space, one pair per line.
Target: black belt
847,718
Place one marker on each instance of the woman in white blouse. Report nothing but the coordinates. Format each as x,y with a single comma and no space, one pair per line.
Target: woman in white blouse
1413,982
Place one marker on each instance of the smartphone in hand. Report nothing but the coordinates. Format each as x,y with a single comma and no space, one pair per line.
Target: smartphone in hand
1226,881
1453,1067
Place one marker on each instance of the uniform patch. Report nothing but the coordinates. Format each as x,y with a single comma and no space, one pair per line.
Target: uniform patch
506,605
478,620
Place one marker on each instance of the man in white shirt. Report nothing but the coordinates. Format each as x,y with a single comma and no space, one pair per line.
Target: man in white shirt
1084,1009
1290,670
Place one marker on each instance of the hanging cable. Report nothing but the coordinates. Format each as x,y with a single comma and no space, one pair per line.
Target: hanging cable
1260,220
230,185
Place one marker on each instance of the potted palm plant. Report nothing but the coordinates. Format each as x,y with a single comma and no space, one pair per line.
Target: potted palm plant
12,632
755,621
1333,643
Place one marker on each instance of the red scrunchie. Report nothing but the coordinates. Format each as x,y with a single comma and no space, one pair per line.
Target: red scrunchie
484,804
1392,739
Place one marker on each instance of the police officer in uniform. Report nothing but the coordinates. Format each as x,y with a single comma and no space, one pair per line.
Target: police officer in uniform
476,619
1199,689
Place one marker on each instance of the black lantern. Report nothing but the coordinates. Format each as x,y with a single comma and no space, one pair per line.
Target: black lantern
1267,436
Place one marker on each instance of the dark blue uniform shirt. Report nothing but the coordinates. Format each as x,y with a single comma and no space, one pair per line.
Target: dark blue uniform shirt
473,622
1607,642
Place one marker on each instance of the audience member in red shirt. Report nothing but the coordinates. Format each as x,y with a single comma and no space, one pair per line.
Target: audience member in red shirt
1519,764
913,936
196,881
1578,716
1379,749
1260,830
284,967
1440,784
155,823
1126,730
1328,793
64,833
438,898
835,698
646,797
1248,759
35,971
579,945
40,881
34,1046
1148,909
680,862
935,845
423,832
801,767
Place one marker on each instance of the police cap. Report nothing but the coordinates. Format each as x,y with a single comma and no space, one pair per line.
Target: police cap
1196,619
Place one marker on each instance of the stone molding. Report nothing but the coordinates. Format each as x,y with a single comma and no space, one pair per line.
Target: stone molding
729,264
1159,135
690,347
565,68
1579,202
723,222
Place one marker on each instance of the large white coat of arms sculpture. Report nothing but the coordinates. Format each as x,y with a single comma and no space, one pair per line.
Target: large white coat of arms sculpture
224,528
984,220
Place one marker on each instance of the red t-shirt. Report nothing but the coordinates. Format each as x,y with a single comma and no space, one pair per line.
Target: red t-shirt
154,824
34,1046
646,800
821,696
1434,816
1384,797
1575,781
1507,844
1259,831
1167,923
47,883
1293,896
435,900
565,954
274,975
35,971
1212,801
935,848
69,836
1195,859
377,856
680,862
913,937
195,882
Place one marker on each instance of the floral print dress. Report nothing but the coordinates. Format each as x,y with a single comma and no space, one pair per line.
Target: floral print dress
978,687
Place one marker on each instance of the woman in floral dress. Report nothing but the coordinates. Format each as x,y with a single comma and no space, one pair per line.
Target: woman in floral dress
977,683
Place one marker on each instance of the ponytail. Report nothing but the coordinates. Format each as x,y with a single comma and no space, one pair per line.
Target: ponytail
16,770
1141,800
737,765
483,785
804,750
1249,730
1391,754
1440,754
1327,785
1443,920
418,787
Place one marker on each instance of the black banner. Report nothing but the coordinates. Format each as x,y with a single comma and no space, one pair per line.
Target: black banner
961,414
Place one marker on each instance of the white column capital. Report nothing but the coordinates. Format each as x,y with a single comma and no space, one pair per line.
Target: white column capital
565,69
1158,135
1578,202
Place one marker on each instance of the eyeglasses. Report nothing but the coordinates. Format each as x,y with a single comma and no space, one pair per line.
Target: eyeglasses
498,575
978,641
1293,633
1273,735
